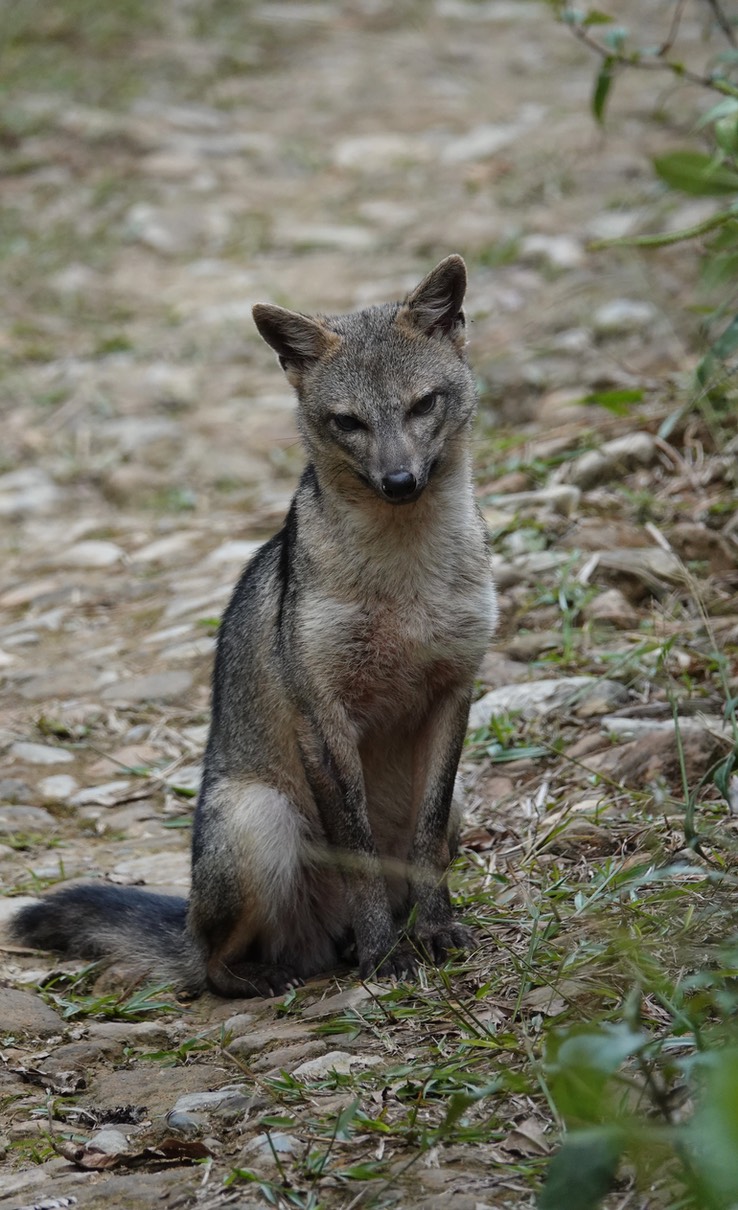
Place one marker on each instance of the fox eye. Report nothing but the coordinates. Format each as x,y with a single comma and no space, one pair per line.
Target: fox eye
348,423
424,405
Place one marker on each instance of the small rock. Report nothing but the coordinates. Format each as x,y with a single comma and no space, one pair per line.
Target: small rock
26,819
40,754
162,686
234,552
621,316
109,1142
624,728
341,1001
106,795
319,235
535,698
614,609
158,869
654,755
14,790
563,498
58,788
558,251
233,1097
263,1146
614,458
27,491
335,1061
90,553
372,153
24,1015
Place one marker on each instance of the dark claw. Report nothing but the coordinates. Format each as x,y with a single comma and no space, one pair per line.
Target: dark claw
438,943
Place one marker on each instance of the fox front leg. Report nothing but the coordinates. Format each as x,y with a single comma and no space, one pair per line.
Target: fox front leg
437,758
335,776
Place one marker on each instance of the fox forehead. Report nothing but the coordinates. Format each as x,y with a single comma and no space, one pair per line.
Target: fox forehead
377,357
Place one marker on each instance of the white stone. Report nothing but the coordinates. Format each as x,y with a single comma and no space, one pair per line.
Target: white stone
324,235
559,251
532,699
90,553
371,153
235,1096
234,552
339,1061
105,795
59,786
40,754
29,490
621,316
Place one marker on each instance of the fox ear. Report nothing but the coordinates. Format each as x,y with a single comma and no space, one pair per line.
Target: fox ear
435,305
296,339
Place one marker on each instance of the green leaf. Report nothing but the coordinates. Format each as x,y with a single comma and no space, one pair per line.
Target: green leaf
615,401
596,17
696,173
713,1131
727,343
602,87
579,1063
581,1174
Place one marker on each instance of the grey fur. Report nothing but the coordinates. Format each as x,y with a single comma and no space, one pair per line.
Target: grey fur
343,675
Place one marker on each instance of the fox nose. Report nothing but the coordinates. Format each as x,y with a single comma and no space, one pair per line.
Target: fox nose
398,485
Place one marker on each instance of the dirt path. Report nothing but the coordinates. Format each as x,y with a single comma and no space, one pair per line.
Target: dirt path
166,167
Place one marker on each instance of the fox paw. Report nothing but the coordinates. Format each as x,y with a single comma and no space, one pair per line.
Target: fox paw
251,979
437,943
399,963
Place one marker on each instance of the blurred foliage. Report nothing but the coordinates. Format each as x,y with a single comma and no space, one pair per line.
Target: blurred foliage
708,168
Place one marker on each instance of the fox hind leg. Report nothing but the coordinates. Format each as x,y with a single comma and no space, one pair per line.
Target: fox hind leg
269,911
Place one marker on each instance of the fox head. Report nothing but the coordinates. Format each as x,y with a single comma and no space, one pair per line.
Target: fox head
384,394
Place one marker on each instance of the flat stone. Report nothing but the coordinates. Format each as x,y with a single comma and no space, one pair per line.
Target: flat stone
90,553
105,795
161,686
233,1097
234,552
341,1001
371,153
338,1061
25,1015
156,869
614,609
534,698
26,819
27,491
558,251
59,787
621,316
614,458
40,754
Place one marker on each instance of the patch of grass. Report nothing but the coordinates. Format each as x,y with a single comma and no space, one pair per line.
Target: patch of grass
70,996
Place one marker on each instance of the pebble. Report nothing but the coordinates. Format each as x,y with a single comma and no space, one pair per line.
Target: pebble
27,491
40,754
621,316
532,699
232,1097
617,457
23,1014
558,251
372,153
59,787
105,795
335,1061
26,819
159,686
90,553
614,609
157,869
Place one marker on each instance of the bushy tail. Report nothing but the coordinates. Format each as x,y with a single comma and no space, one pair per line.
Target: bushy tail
145,932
